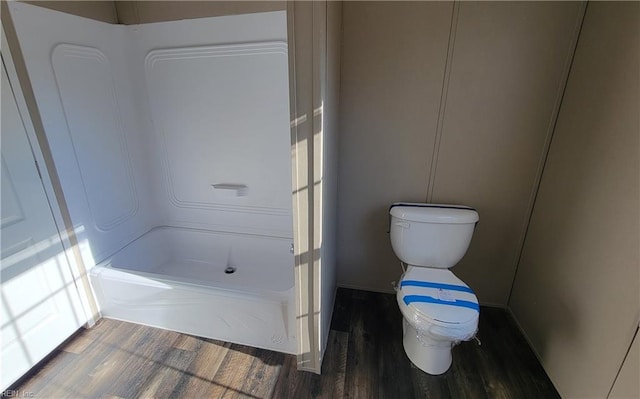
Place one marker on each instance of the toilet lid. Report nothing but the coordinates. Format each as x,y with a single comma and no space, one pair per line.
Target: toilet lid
437,295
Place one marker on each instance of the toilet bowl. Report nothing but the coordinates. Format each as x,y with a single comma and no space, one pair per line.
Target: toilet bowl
439,310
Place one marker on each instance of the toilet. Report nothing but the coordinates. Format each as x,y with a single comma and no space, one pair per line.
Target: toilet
439,310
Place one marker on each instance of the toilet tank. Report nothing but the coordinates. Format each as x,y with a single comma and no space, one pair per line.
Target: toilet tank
431,235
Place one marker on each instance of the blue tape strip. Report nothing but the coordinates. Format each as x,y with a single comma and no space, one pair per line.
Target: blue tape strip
427,299
428,284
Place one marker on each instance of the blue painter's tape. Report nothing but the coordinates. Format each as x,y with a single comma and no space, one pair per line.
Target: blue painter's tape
428,284
427,299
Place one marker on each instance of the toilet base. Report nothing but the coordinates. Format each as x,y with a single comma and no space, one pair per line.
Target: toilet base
429,355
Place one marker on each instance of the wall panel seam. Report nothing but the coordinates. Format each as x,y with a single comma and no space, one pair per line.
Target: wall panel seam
562,87
624,359
443,100
114,9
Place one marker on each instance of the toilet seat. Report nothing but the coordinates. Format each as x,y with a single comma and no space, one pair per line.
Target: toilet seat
436,300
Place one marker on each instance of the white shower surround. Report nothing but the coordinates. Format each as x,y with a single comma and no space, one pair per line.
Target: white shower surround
182,124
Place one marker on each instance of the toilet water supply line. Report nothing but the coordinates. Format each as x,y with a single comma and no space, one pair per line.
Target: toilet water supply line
393,283
422,332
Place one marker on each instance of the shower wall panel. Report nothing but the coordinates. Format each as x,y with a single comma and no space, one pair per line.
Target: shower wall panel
78,70
219,101
181,123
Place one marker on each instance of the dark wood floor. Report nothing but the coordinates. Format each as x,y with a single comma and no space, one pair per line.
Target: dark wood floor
364,359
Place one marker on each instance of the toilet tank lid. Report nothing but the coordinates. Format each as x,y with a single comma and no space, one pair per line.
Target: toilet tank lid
434,213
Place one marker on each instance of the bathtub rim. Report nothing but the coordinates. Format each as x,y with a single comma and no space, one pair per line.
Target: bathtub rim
107,264
114,273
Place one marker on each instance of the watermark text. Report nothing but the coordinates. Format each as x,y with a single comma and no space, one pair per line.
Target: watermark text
16,393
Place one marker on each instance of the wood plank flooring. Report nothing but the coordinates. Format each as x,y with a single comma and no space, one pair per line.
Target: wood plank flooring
364,359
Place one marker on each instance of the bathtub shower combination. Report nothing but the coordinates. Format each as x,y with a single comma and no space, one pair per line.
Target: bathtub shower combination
172,144
203,283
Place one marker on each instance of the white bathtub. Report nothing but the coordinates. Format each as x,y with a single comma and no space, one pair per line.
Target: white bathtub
174,278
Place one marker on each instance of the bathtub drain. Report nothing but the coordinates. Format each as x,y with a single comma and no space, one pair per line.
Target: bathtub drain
230,270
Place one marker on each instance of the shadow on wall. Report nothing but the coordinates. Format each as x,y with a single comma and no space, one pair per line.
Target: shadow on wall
566,327
375,233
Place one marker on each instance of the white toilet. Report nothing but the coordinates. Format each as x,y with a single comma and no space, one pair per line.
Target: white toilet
439,310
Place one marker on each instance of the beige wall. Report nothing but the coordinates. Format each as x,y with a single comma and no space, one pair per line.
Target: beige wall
508,71
104,11
393,61
478,140
141,12
576,293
